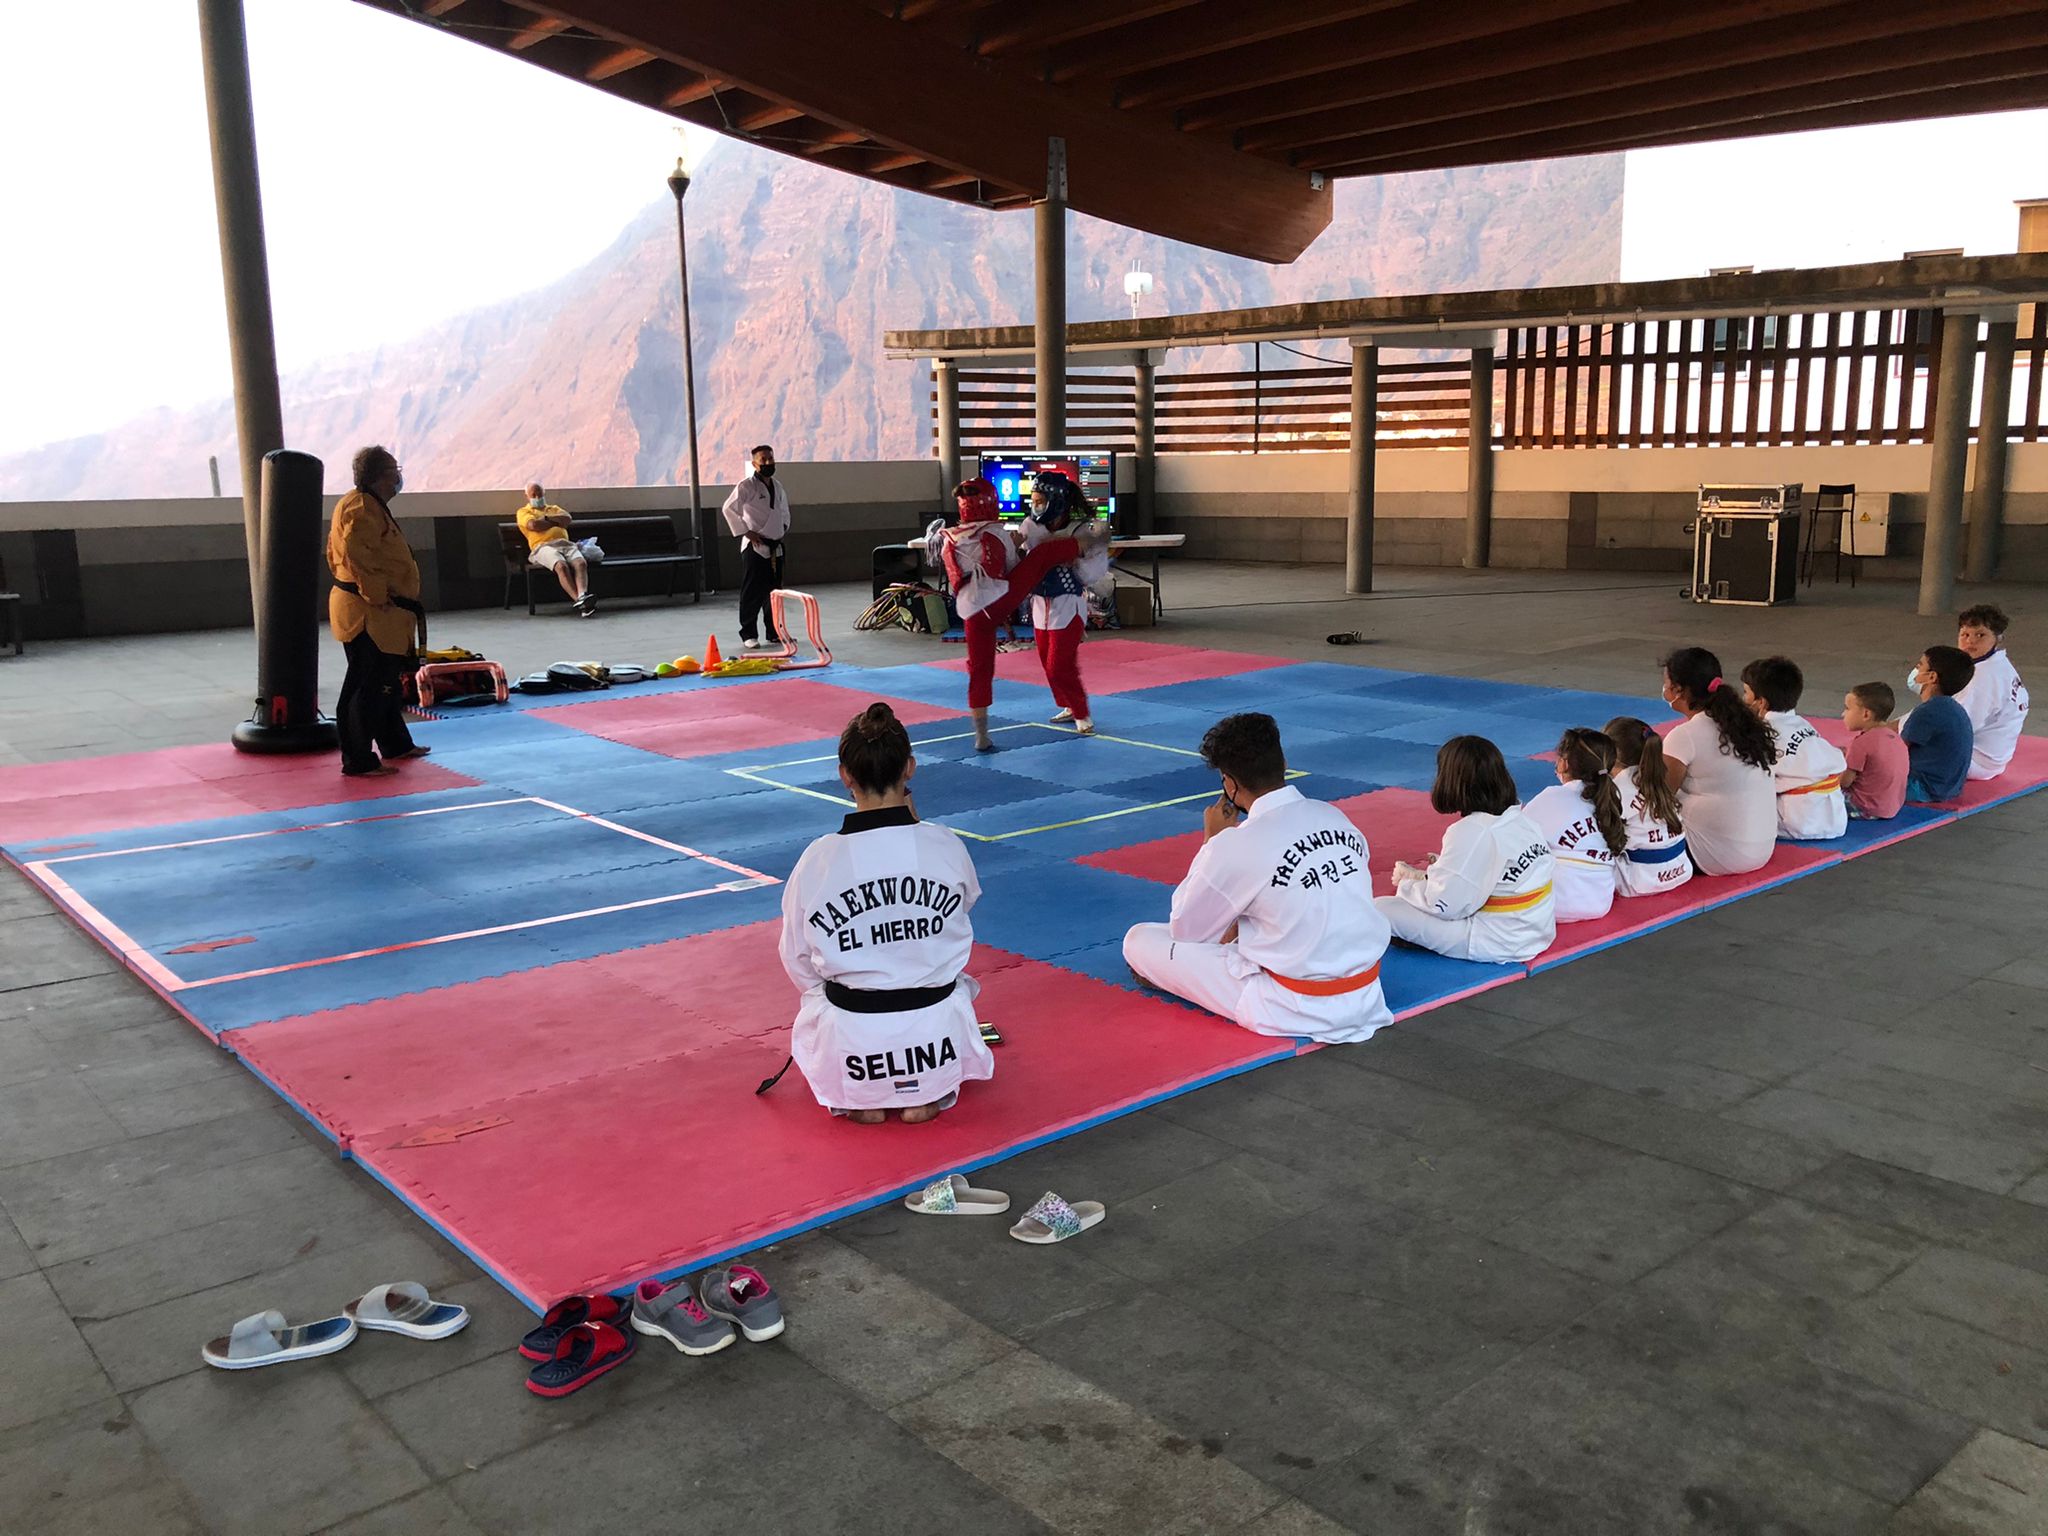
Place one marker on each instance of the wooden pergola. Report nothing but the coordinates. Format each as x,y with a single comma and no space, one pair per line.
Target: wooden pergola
1222,122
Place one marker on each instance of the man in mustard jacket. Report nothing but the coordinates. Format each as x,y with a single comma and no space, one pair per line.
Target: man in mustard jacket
376,614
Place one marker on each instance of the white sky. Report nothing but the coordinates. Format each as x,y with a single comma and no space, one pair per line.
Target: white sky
1822,199
408,177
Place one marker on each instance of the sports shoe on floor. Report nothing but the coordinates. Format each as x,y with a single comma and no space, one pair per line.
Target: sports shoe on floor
1084,727
1063,717
750,645
673,1312
741,1294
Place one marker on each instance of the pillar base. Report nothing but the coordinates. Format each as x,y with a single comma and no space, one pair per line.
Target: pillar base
259,736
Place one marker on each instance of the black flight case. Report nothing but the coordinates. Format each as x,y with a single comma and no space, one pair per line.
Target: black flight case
1745,545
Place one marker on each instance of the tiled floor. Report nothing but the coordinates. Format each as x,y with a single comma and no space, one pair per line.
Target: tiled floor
1740,1226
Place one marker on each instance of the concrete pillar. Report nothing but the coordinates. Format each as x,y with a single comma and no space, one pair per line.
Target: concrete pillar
244,262
1365,413
1479,464
1050,259
1987,491
1951,454
948,372
1145,461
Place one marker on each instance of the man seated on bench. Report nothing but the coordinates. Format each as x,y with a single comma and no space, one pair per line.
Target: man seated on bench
546,527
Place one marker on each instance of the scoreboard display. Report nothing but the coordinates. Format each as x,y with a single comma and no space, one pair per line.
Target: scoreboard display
1011,474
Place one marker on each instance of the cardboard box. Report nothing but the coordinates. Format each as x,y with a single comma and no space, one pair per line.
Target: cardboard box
1134,607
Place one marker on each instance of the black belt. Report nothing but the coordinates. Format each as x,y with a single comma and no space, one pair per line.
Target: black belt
411,605
893,1000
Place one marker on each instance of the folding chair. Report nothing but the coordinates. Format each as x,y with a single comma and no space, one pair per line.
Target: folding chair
1838,504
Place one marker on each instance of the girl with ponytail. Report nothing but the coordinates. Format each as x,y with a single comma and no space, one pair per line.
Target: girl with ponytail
1655,859
1722,760
1581,814
875,935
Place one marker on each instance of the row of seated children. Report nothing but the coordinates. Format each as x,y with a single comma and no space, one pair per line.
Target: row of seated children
1276,925
1633,813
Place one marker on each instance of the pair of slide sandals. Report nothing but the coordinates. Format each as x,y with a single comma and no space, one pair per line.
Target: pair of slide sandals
578,1340
1051,1220
403,1307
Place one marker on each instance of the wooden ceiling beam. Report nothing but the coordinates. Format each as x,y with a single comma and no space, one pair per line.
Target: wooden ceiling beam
1026,25
1719,84
543,27
1410,29
2014,79
1217,26
833,61
700,88
1662,27
617,62
1831,40
440,7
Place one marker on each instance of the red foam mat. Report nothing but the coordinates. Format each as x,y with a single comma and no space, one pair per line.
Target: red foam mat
1118,666
609,1171
150,789
770,713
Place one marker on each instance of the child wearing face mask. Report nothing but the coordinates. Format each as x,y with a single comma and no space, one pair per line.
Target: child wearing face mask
1721,759
1059,604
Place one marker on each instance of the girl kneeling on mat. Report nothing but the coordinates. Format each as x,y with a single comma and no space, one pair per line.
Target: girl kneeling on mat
875,935
1486,895
1656,859
1581,815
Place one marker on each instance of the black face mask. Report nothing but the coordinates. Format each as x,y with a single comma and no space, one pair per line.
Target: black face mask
765,471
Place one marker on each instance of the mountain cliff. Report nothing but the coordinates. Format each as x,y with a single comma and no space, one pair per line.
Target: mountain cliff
795,273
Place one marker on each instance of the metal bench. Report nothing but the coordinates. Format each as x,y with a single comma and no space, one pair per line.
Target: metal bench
626,541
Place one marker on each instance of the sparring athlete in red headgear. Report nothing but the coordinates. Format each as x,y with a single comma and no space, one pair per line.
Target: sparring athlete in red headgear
989,582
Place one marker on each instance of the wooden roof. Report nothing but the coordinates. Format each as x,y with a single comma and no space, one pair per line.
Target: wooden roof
1221,122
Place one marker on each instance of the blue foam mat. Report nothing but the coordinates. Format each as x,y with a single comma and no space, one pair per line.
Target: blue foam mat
1415,980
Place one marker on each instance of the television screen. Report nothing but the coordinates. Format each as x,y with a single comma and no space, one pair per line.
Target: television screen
1011,475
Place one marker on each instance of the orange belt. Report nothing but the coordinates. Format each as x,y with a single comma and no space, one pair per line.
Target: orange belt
1518,903
1335,987
1818,786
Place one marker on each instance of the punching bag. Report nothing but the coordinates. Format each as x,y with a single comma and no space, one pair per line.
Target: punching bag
290,585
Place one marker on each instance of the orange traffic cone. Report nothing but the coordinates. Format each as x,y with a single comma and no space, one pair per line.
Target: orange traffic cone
711,657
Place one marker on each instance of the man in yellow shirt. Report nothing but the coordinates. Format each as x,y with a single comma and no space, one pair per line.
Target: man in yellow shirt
550,547
375,612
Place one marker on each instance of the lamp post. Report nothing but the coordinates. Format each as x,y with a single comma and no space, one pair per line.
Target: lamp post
679,183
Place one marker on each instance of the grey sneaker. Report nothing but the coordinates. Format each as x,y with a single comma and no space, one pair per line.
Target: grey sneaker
741,1294
671,1312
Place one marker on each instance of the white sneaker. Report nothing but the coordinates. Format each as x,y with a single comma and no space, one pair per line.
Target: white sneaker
1084,727
1063,717
750,645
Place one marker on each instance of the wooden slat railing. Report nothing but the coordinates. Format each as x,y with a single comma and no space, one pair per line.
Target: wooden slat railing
1781,380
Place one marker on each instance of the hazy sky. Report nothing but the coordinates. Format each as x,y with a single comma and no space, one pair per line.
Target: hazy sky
408,177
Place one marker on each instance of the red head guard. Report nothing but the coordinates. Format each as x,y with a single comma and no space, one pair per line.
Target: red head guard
976,499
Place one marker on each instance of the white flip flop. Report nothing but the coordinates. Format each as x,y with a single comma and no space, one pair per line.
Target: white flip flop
404,1307
264,1338
1052,1220
952,1196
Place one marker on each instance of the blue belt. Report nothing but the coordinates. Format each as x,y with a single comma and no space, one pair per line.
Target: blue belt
1662,855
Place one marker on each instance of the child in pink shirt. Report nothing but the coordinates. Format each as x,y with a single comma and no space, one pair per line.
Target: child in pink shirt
1875,780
